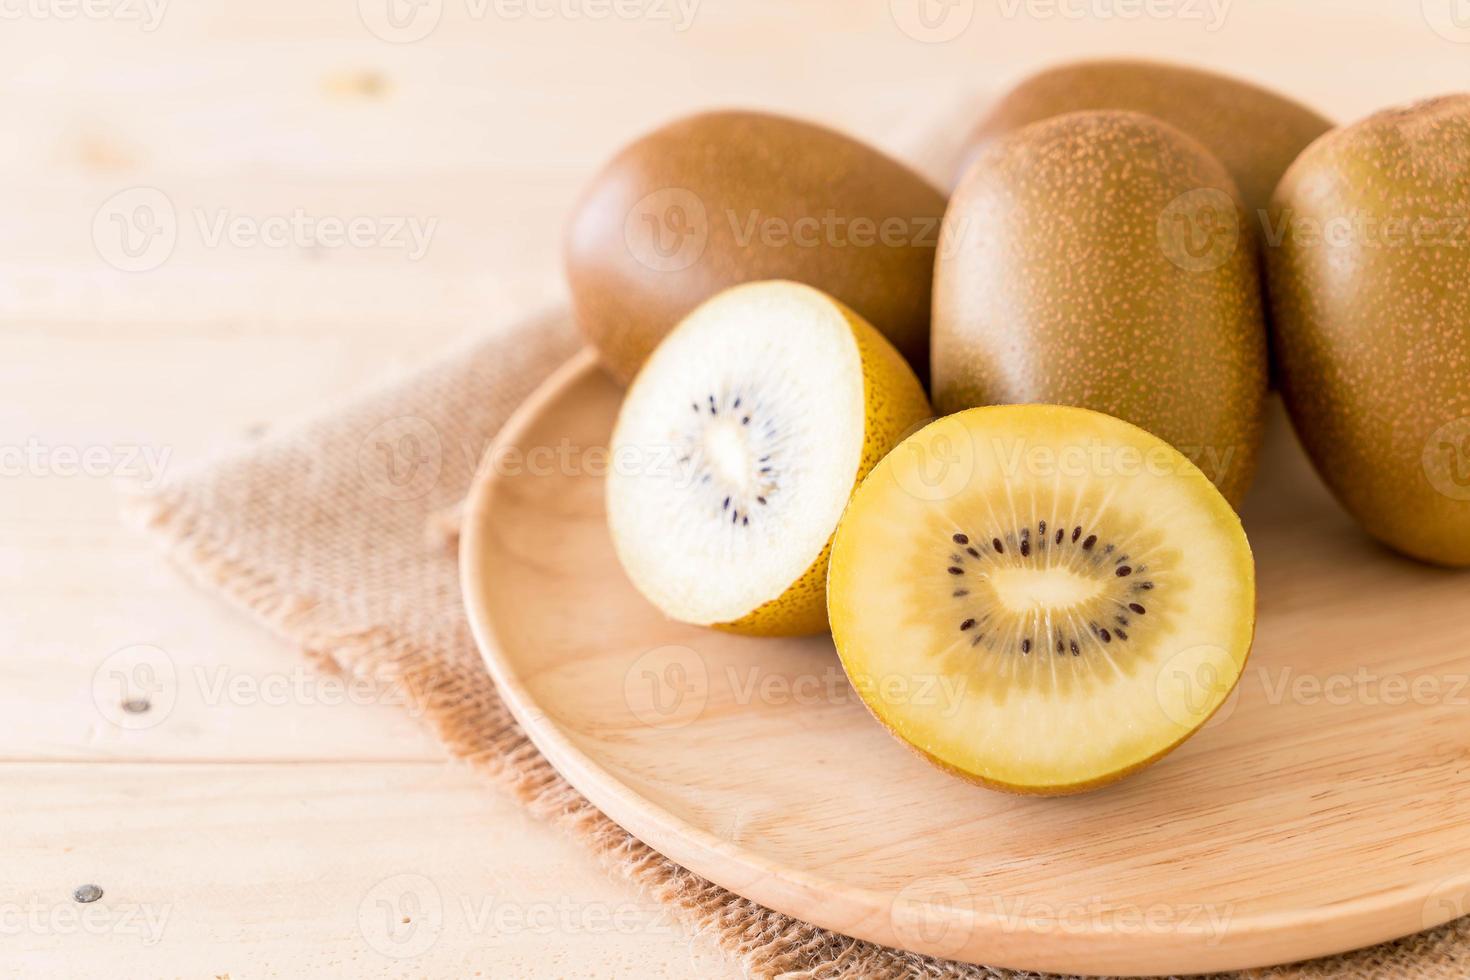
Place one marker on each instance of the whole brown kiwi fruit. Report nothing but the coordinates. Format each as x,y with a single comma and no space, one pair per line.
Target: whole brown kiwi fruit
1369,261
1254,132
721,198
1098,259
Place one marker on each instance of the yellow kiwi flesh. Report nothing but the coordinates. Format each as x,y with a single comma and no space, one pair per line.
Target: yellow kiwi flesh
737,448
1256,133
1040,599
721,198
1099,259
1370,289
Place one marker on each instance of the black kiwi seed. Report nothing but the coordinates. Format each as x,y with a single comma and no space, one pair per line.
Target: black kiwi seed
745,520
745,420
1106,637
955,570
972,552
726,504
1123,571
1025,545
1091,540
960,593
961,539
1137,608
1076,533
760,500
1060,645
995,543
967,624
1025,646
1060,535
1041,527
1075,652
737,402
1122,635
1145,586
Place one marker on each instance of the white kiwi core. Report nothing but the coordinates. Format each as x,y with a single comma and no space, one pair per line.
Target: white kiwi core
1026,589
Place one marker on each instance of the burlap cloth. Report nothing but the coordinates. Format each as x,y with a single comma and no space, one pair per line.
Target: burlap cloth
333,533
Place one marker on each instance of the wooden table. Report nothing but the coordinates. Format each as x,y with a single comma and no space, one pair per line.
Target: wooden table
261,821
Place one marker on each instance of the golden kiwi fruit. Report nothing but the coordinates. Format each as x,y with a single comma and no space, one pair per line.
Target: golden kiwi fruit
740,442
722,198
1255,132
1040,599
1369,266
1097,259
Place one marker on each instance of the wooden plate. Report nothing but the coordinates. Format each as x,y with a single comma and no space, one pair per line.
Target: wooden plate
1326,808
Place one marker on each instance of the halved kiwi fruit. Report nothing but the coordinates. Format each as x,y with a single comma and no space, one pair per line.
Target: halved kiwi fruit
738,446
1040,599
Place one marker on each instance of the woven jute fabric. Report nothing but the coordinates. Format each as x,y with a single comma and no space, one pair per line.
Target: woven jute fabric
332,532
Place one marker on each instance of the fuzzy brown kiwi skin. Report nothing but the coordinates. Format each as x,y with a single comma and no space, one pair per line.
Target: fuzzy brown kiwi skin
1373,338
745,168
1215,109
1128,329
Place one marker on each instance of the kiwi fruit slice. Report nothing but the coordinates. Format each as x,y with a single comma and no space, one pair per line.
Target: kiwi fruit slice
1040,599
738,446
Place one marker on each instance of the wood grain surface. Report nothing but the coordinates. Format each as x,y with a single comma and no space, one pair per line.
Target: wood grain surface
1321,809
489,126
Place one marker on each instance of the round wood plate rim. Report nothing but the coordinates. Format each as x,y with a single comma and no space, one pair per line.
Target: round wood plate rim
868,914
